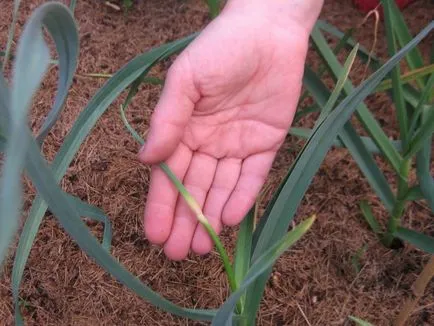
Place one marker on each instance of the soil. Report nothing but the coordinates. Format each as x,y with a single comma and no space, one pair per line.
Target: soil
314,283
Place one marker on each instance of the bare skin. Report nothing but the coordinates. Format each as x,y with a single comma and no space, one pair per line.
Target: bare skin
225,109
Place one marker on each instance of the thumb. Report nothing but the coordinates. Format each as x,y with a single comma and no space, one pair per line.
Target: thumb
172,113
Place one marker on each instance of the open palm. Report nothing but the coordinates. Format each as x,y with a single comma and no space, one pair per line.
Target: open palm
227,104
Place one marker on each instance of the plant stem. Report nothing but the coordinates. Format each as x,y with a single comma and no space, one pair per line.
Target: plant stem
194,206
398,210
203,220
242,321
418,289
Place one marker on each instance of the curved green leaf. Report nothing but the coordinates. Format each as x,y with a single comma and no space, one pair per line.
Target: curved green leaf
61,27
27,74
360,322
403,35
72,5
281,211
419,240
414,193
355,145
371,147
329,105
423,157
214,7
407,77
84,124
243,249
347,40
191,202
94,213
343,42
264,262
363,114
61,206
410,94
11,32
397,89
424,134
367,165
369,217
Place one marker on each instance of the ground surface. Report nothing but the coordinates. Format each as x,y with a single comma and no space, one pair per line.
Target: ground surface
313,284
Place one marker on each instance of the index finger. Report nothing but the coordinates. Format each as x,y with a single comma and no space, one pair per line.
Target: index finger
162,196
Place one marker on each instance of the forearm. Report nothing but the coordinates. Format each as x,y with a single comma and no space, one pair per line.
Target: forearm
305,12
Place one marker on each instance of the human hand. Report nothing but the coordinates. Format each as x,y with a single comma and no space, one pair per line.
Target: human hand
227,104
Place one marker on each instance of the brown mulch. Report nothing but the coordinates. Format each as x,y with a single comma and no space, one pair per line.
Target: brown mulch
315,283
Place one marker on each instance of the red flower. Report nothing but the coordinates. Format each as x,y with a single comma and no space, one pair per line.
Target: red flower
367,5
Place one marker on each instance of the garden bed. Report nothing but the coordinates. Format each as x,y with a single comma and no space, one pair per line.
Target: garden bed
317,282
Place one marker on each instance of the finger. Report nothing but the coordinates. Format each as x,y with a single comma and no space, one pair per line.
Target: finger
162,196
225,180
197,181
254,171
171,115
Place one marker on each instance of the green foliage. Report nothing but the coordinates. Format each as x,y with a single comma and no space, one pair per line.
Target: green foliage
128,4
412,96
243,250
359,322
11,33
369,217
214,7
422,241
258,246
355,259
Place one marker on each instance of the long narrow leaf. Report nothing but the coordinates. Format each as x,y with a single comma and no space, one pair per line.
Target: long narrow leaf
281,211
367,165
421,107
397,90
94,213
403,35
367,58
26,80
11,32
315,86
365,116
423,157
62,29
422,135
359,321
321,70
419,240
414,193
352,141
72,5
260,266
367,141
369,217
349,42
61,205
407,77
243,249
84,124
339,84
214,7
188,198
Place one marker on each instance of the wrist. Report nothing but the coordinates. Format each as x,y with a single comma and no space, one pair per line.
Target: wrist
303,12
